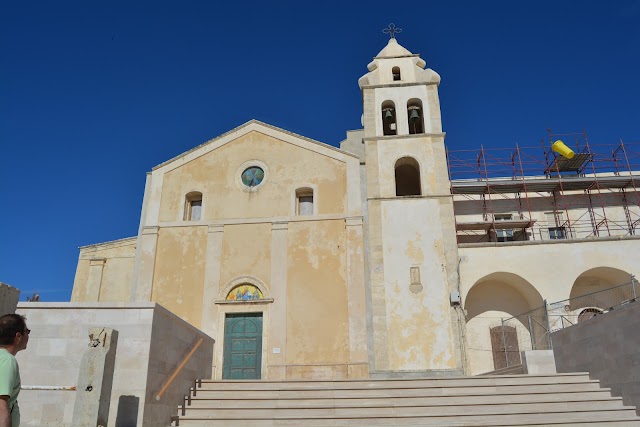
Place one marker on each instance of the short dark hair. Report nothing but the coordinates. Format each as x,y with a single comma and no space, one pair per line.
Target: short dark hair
10,325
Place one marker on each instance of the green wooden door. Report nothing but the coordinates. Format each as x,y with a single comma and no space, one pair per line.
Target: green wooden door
242,346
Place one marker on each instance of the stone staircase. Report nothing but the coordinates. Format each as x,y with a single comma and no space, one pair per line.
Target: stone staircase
505,400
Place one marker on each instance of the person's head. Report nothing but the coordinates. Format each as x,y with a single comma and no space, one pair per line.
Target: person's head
14,331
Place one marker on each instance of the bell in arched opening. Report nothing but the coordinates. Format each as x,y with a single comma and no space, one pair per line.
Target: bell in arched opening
389,118
416,122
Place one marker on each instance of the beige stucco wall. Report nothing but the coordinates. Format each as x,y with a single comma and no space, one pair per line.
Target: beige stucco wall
245,251
313,320
317,315
289,167
179,271
104,272
309,315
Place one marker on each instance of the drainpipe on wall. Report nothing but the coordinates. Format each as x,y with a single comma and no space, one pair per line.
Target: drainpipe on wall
462,324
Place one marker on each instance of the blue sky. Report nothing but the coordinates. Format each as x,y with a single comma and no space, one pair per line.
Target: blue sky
94,94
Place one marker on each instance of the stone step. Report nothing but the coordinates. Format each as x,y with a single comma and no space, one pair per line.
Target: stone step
399,392
301,402
515,400
516,369
249,413
620,417
396,383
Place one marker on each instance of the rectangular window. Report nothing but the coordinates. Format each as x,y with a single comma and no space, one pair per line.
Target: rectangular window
305,205
195,210
555,225
556,233
503,235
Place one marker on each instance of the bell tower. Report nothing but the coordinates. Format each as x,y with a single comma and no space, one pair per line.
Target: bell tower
412,249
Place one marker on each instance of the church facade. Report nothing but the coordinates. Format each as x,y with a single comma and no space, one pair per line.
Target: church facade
306,261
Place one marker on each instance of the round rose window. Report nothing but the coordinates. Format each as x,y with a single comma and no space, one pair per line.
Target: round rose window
253,176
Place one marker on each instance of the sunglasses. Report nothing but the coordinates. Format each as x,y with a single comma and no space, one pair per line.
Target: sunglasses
27,331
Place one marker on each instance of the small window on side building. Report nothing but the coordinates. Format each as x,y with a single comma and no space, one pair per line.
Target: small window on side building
503,234
555,225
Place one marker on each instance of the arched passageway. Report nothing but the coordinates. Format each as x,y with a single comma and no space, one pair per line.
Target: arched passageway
495,297
601,288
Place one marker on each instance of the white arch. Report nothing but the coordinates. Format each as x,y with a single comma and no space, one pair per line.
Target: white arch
600,287
481,291
494,297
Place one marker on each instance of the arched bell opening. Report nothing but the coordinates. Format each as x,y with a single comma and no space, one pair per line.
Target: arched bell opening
395,71
416,116
389,124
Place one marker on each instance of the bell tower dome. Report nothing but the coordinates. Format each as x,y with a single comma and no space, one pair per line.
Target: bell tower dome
400,95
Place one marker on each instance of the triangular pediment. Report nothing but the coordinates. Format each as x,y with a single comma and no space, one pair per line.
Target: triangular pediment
255,126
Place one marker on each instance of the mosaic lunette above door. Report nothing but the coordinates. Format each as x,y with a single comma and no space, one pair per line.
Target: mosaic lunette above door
246,292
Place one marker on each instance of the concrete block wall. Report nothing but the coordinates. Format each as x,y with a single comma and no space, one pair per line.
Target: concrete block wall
608,347
59,337
171,341
8,299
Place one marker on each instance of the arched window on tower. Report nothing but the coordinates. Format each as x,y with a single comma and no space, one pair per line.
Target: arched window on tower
408,177
396,73
416,116
389,126
193,206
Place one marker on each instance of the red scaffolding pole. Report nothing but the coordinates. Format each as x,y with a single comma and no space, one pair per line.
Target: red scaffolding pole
494,181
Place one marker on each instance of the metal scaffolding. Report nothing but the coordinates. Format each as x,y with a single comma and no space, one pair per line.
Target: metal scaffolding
580,193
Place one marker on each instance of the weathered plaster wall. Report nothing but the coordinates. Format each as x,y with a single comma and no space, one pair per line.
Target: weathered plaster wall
317,312
289,167
178,279
152,342
416,231
105,271
419,328
314,324
246,252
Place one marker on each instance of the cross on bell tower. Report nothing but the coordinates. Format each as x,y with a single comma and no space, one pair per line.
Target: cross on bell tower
392,30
